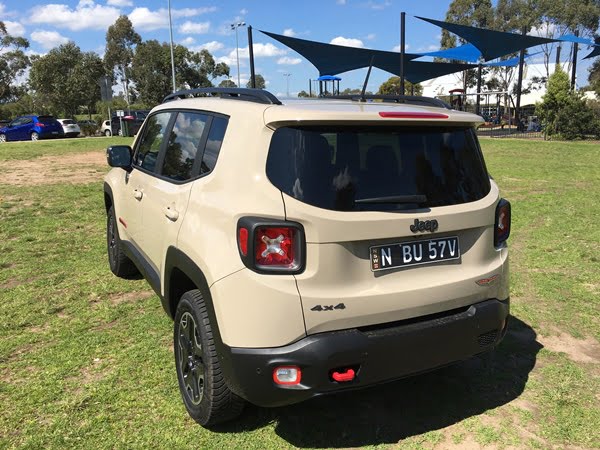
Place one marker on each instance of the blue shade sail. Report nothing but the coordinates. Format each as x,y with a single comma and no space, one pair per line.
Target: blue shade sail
467,52
492,44
332,59
576,39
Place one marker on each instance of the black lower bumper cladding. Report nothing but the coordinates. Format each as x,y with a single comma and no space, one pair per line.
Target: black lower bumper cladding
377,354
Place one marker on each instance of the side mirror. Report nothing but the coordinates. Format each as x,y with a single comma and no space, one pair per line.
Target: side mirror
119,156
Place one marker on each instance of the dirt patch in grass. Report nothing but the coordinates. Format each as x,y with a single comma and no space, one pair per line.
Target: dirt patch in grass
579,350
127,297
12,283
77,168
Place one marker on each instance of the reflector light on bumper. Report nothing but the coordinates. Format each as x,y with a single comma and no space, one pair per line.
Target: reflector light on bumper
287,375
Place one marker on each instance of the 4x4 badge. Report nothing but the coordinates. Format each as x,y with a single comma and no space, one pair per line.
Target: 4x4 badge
428,225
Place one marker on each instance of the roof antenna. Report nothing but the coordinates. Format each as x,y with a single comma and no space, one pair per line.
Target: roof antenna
362,94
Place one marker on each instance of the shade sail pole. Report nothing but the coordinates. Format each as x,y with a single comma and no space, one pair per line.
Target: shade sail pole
251,54
478,102
574,72
402,50
364,89
520,79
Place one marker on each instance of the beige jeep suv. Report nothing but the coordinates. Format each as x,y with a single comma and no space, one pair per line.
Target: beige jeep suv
309,247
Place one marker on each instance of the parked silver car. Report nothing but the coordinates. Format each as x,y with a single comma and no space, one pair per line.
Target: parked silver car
70,127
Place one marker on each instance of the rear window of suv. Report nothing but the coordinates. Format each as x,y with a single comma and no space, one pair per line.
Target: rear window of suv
378,168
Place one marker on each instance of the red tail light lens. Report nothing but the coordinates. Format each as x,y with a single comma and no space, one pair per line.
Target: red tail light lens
268,246
503,219
274,246
39,124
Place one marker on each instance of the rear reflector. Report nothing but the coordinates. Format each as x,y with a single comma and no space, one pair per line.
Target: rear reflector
287,375
412,115
243,241
346,375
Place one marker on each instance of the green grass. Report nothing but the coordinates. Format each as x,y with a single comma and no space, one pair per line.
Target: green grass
86,359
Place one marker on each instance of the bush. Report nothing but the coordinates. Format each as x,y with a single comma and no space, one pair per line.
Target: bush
566,114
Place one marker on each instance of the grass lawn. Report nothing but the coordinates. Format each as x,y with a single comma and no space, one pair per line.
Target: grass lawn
86,359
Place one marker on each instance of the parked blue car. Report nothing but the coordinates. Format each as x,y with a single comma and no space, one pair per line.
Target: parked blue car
26,128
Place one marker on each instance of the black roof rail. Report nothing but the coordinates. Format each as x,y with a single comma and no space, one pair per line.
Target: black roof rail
248,95
408,99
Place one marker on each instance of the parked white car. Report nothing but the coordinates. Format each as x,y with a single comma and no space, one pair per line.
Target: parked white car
70,127
105,128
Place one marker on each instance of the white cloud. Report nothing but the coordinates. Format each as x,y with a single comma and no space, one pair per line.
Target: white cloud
289,32
188,41
194,27
119,2
397,48
227,60
86,15
260,51
211,46
347,42
378,6
14,28
243,12
144,19
370,36
48,39
289,61
433,48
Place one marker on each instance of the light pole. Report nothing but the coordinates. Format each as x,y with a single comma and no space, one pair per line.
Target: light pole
172,57
287,80
235,26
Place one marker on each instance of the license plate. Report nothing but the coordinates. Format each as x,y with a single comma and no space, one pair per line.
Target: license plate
413,253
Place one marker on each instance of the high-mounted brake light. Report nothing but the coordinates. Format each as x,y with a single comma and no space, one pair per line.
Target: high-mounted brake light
502,225
268,246
412,115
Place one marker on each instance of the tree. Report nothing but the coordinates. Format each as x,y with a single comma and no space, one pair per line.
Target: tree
594,76
121,40
565,113
13,63
66,78
260,82
227,83
392,87
475,13
151,70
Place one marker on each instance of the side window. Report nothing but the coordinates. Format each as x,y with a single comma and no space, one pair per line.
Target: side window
213,144
26,120
184,141
151,141
16,122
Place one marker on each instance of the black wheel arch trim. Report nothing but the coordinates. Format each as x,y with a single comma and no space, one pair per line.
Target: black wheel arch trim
176,259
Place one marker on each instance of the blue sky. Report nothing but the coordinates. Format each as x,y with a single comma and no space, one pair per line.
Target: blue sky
201,24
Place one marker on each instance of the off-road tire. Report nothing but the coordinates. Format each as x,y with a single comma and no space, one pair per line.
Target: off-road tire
119,263
216,403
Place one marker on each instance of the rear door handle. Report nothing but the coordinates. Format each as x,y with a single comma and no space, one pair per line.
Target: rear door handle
171,213
137,194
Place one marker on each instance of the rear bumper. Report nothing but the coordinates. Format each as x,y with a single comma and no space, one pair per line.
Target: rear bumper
377,354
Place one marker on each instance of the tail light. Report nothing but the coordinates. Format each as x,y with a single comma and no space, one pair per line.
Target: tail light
39,124
502,225
268,246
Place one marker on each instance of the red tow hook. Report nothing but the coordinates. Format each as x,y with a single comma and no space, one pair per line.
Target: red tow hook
340,377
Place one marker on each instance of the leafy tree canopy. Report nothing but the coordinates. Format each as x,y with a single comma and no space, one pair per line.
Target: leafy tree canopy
260,82
13,62
392,87
66,78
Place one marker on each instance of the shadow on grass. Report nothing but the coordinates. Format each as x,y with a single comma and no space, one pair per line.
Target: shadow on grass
395,411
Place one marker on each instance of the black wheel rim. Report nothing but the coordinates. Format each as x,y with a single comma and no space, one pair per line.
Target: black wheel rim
112,241
191,364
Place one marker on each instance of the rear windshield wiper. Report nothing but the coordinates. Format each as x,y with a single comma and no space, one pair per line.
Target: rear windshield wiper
394,199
